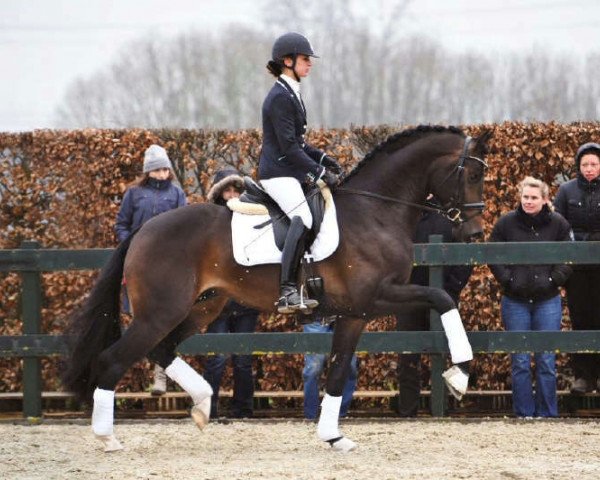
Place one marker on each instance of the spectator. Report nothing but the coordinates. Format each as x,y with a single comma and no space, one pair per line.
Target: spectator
313,368
148,196
417,319
578,200
531,298
234,318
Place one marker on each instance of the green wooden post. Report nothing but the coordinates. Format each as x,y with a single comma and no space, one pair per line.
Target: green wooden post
438,361
31,314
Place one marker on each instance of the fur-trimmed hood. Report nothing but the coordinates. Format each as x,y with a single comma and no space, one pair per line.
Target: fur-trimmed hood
223,179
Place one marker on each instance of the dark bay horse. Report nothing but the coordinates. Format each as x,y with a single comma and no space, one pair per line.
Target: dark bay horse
180,273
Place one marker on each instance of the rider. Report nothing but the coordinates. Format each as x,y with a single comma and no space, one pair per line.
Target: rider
287,162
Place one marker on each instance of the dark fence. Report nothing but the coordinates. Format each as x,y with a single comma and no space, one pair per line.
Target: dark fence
30,261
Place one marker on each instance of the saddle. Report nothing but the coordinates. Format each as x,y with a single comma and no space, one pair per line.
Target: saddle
254,194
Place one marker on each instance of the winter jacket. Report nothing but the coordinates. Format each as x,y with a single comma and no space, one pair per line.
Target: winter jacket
455,276
531,282
284,152
579,202
225,178
141,203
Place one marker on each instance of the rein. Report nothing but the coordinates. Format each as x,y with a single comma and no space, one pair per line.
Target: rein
453,212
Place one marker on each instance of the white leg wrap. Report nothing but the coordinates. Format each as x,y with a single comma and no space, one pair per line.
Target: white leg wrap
327,427
103,412
460,348
190,380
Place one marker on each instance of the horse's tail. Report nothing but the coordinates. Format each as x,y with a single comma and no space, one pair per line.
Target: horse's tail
95,326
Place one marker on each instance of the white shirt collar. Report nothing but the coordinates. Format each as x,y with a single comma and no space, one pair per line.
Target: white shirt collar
292,83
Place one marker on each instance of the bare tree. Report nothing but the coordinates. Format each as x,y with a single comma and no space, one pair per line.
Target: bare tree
367,74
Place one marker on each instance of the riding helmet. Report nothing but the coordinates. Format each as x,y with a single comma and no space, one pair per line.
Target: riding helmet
292,44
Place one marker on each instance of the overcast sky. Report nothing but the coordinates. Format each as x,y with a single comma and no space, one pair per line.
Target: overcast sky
46,44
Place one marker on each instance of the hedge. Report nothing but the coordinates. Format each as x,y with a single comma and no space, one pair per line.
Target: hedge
63,188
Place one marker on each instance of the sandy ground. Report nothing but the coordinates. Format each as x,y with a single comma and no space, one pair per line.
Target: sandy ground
280,449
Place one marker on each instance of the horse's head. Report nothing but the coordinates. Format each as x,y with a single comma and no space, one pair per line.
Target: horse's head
459,186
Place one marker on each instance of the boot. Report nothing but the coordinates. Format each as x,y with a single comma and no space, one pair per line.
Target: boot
290,300
579,386
160,381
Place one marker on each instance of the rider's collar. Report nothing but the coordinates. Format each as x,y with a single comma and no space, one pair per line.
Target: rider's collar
292,83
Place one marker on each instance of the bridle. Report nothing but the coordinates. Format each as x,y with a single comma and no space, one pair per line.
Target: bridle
455,208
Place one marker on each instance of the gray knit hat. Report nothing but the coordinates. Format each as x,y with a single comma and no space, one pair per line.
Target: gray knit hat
156,157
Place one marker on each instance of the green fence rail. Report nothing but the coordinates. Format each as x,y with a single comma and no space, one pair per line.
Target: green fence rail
31,260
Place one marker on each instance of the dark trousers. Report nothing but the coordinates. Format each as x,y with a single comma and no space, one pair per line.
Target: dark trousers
409,366
243,380
583,299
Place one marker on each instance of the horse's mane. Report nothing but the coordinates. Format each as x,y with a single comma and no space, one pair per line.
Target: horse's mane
400,140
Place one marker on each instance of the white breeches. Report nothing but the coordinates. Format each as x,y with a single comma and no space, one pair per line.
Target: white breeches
288,194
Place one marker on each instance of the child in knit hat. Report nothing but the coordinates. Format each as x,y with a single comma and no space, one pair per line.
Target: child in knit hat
148,196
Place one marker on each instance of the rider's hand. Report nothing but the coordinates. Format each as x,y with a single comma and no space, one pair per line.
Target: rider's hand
331,164
330,179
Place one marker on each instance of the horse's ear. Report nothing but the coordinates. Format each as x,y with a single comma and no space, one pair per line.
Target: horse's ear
481,140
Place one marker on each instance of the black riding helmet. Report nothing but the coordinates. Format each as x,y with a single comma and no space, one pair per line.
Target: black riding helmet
291,44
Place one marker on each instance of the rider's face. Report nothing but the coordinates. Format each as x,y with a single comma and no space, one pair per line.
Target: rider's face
303,65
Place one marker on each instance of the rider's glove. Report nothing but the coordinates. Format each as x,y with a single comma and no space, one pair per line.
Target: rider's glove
330,179
331,164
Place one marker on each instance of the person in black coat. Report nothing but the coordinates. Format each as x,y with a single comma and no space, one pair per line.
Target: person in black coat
235,318
417,319
531,297
287,163
578,200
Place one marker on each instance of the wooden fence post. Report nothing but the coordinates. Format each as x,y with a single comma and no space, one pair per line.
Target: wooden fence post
31,313
438,361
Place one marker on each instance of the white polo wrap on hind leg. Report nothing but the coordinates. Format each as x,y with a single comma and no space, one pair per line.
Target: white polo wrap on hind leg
328,420
460,348
103,412
190,380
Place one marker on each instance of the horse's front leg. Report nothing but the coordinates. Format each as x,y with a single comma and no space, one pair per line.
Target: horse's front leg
393,297
345,338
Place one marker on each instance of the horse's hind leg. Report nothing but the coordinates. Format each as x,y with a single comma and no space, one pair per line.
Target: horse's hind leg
393,297
178,370
113,362
345,338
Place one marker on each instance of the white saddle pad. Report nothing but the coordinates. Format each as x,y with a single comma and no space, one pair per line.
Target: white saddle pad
253,246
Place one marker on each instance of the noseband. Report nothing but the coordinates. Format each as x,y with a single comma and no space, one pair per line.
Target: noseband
454,209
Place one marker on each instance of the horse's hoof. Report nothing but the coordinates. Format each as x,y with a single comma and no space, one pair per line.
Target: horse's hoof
342,444
201,413
457,381
110,442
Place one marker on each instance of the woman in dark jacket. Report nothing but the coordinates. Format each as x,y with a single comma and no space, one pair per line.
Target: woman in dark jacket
234,318
531,299
287,163
578,200
150,195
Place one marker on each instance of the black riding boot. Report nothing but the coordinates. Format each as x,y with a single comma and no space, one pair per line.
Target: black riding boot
290,300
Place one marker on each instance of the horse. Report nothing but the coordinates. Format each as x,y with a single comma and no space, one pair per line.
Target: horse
180,272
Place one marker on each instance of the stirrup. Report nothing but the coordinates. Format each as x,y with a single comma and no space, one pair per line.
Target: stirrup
302,304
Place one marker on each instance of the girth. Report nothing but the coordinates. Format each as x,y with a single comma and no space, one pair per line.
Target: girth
254,193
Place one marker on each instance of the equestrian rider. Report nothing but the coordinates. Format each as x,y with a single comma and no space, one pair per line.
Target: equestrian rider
287,163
